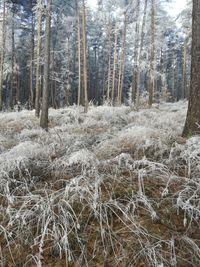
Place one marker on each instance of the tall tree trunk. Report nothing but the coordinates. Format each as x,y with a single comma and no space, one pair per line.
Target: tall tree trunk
135,68
38,67
45,98
31,100
122,64
79,53
12,59
137,73
114,65
192,125
85,75
109,59
152,55
3,38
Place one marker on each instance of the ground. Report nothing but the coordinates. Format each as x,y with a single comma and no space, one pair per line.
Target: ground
113,187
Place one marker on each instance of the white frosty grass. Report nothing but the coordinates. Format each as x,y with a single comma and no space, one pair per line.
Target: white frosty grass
98,168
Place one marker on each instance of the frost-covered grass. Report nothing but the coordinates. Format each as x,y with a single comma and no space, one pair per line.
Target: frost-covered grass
113,187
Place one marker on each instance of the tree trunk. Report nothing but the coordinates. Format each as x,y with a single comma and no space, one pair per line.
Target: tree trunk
38,68
122,64
12,59
114,66
45,98
79,54
152,55
31,100
192,125
85,59
109,60
3,38
137,76
135,68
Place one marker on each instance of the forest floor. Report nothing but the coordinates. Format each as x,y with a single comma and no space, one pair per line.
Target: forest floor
113,187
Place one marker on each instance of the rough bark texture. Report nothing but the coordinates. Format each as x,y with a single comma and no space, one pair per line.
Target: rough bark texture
192,125
45,98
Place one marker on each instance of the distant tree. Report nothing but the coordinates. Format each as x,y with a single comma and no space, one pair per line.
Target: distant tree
192,125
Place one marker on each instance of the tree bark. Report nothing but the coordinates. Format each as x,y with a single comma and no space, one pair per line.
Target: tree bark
12,59
192,124
38,67
122,64
45,98
85,75
135,68
137,75
114,65
152,55
109,59
31,100
3,37
79,53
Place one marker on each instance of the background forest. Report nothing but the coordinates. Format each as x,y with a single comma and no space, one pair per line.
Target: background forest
110,53
95,167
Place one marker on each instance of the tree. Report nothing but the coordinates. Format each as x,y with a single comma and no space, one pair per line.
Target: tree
3,37
192,124
31,93
152,54
45,98
38,67
85,75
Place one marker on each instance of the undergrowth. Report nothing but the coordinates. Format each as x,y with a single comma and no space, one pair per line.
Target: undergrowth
113,187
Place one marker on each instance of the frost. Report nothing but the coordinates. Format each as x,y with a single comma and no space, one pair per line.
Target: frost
112,180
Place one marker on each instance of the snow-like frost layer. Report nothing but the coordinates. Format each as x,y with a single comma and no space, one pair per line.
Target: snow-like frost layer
111,162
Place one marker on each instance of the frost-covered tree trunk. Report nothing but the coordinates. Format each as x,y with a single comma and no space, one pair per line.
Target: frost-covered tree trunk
3,38
31,100
114,65
135,68
79,52
192,125
85,75
152,55
109,58
12,58
122,63
137,75
38,66
45,98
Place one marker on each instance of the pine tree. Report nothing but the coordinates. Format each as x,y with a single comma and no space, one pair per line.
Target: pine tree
192,125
